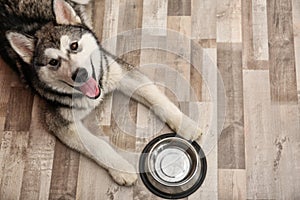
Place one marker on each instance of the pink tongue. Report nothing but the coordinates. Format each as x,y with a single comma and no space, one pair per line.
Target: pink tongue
90,88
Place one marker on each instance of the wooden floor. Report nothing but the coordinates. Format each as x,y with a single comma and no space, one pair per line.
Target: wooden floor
256,46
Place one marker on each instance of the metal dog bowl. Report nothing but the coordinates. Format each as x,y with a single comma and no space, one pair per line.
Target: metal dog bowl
172,167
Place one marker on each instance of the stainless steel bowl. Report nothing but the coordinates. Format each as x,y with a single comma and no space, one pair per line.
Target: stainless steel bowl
172,167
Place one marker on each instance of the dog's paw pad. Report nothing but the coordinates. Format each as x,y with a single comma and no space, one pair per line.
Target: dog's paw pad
123,178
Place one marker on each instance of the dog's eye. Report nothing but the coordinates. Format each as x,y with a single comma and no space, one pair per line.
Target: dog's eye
54,62
74,46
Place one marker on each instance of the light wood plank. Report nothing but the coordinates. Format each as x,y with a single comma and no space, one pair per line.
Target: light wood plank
179,58
12,161
272,142
232,184
281,51
204,19
258,143
130,15
247,31
209,74
129,37
129,47
155,16
110,25
39,157
229,21
260,30
249,61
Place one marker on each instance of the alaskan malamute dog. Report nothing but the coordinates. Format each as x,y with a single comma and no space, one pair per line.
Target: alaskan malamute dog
52,46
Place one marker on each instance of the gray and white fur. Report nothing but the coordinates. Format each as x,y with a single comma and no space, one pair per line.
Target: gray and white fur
51,45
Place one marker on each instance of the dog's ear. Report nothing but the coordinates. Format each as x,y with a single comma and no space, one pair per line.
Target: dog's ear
64,13
22,44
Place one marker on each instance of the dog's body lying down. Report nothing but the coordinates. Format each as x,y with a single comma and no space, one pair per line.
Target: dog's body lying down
52,46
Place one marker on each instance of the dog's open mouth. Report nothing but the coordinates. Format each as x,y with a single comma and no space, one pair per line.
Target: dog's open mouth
90,88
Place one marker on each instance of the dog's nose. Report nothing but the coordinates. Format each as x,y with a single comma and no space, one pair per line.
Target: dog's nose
80,75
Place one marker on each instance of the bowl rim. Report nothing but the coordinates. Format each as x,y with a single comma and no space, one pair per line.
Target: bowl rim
163,194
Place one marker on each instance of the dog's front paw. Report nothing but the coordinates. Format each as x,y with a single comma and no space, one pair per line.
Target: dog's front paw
192,134
197,136
123,178
188,129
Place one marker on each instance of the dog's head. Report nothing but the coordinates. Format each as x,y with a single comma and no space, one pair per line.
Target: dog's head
64,55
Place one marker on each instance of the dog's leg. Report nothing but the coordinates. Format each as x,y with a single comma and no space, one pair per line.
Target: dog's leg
83,2
138,86
77,137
